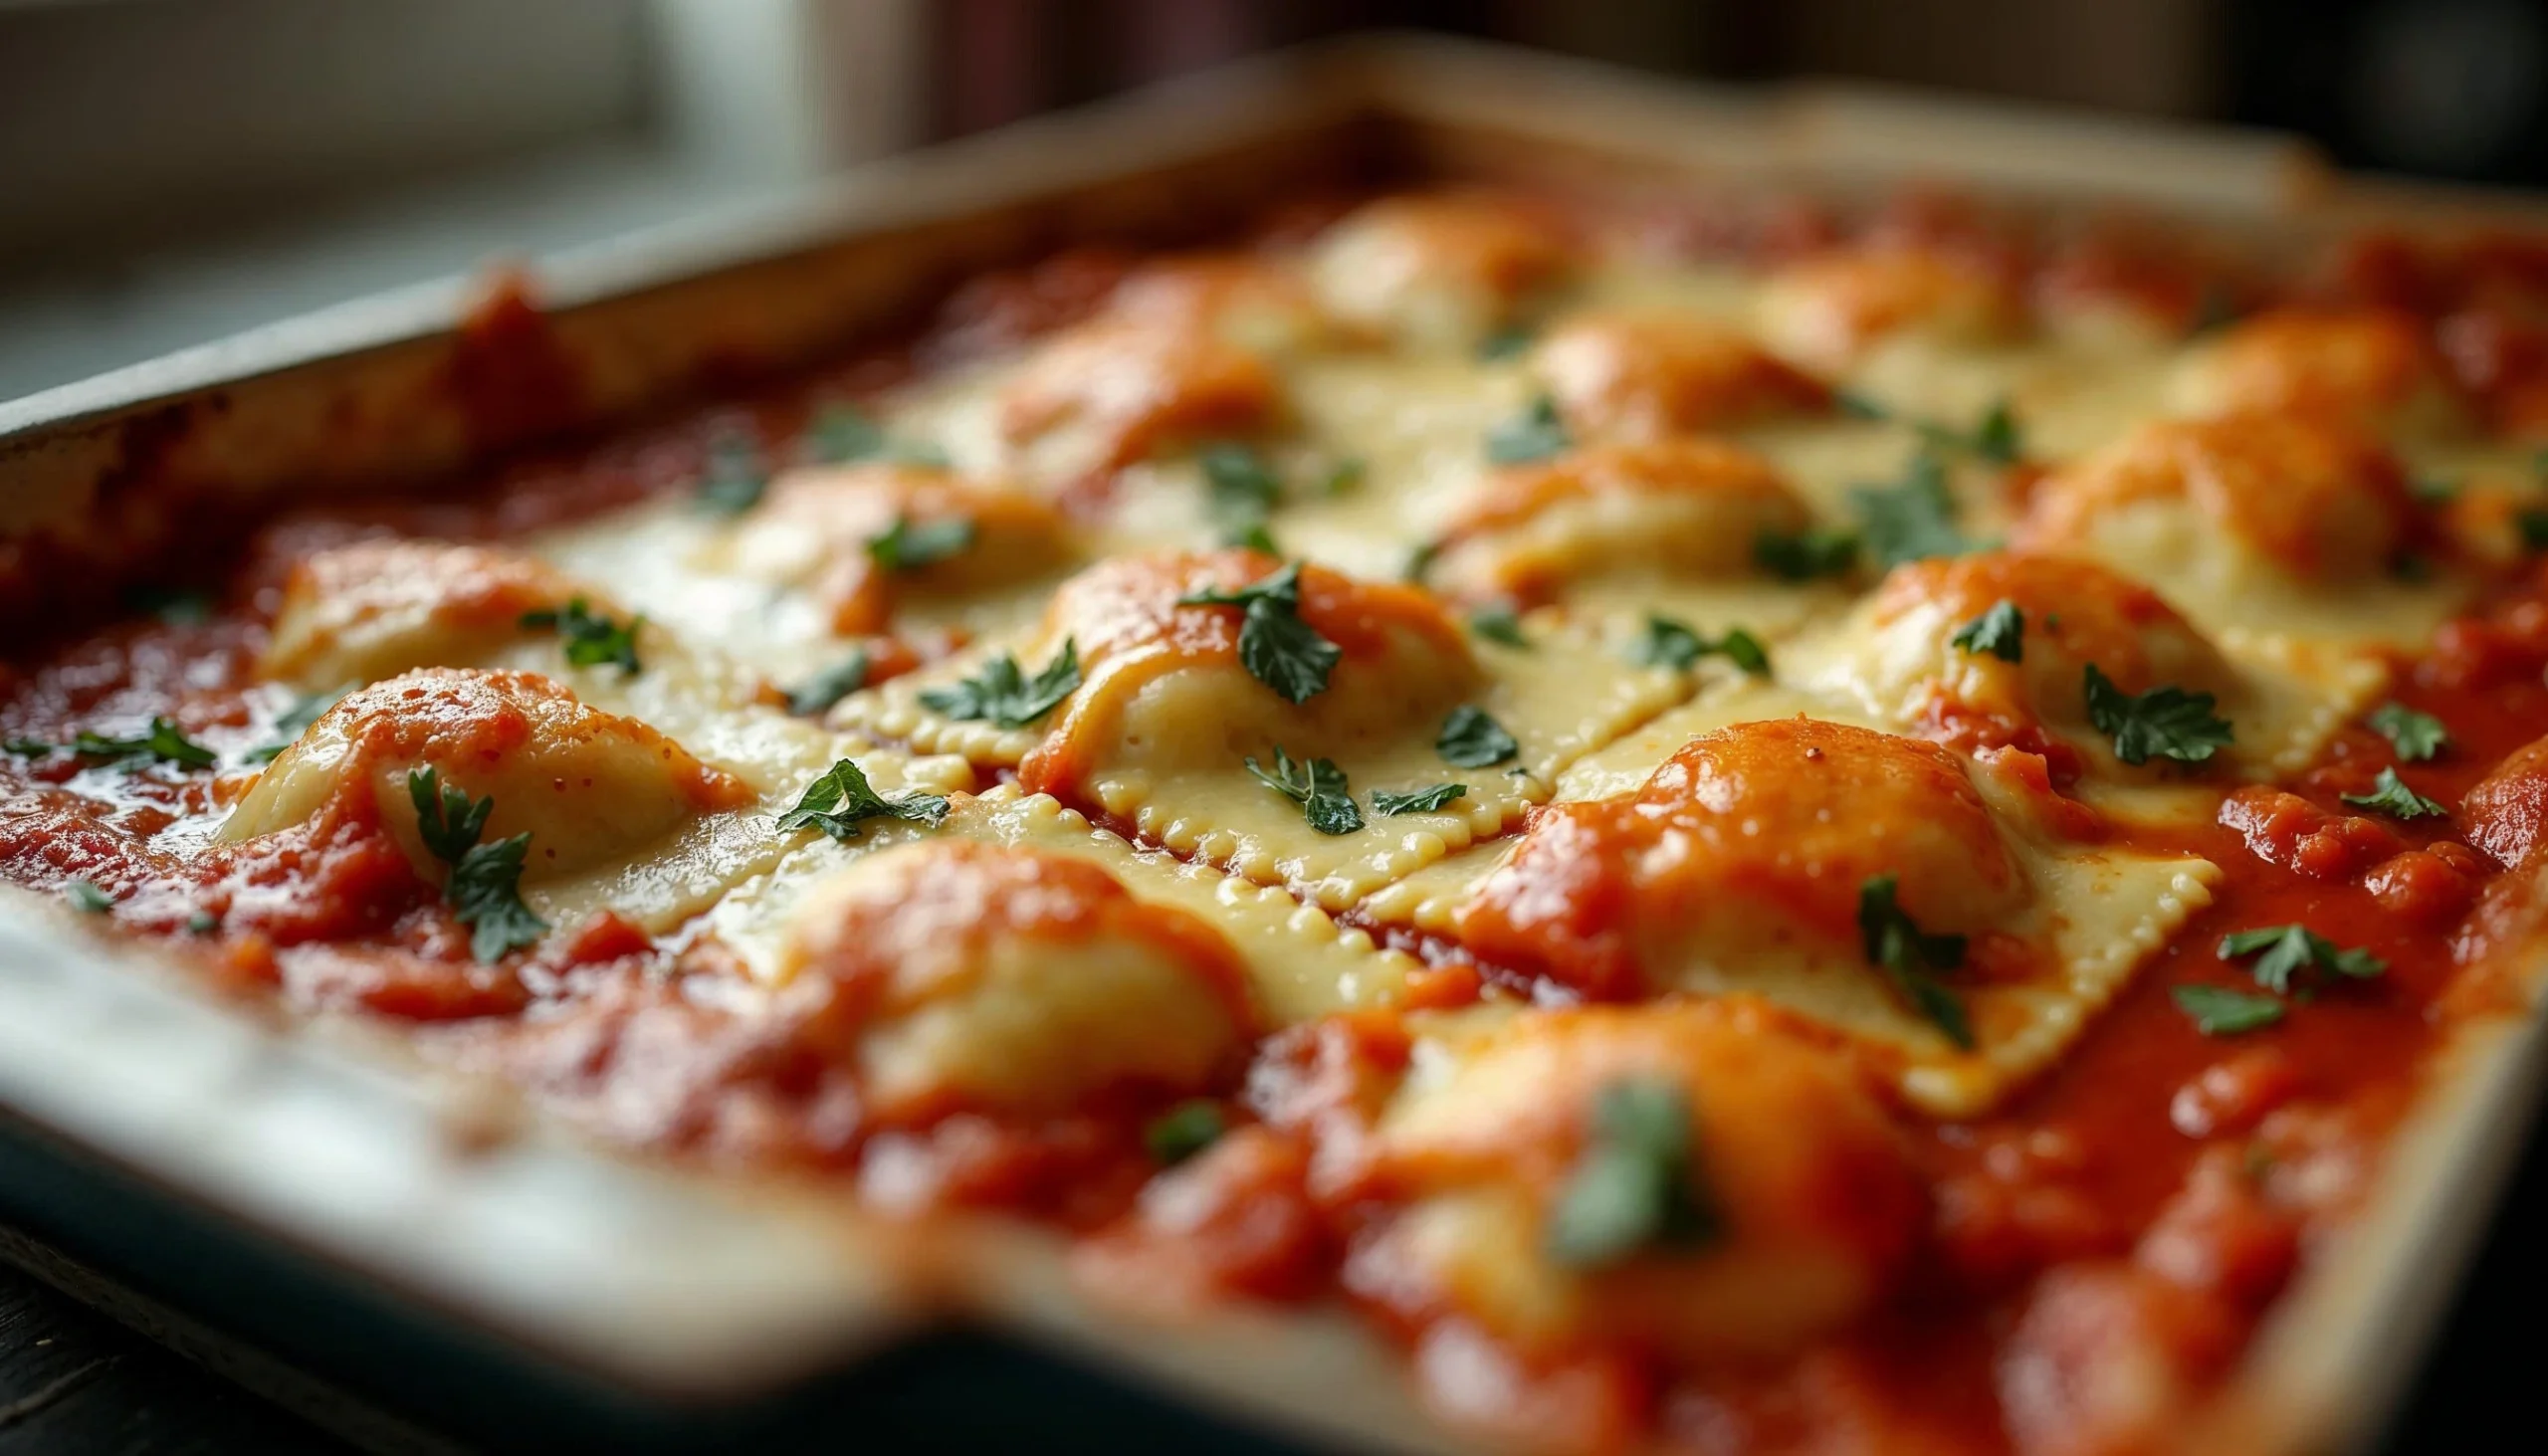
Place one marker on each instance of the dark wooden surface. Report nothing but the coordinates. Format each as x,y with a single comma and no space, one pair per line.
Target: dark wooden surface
72,1380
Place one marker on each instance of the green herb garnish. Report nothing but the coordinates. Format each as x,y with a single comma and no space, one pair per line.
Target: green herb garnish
1184,1131
2220,1011
2169,723
87,897
2390,795
165,741
2287,950
1418,801
1534,434
1806,555
2001,632
484,887
1636,1184
1471,739
818,693
1002,694
2418,737
737,477
1499,624
909,546
592,638
1276,647
1671,644
1317,785
1897,945
842,798
1913,521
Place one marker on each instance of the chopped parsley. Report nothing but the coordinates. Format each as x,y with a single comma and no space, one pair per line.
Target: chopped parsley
838,801
1999,632
1317,785
165,742
843,434
1816,551
2390,795
1509,342
1420,560
1243,489
2168,723
818,693
909,546
1184,1131
1003,694
202,923
2533,525
736,478
1418,801
1534,434
2220,1011
1276,647
1345,477
483,888
1912,521
2417,737
1995,439
1671,644
1895,945
1499,624
87,897
304,712
1637,1184
1471,739
592,638
1255,537
2287,950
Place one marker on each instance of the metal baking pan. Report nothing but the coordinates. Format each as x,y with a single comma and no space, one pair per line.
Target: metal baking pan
418,1245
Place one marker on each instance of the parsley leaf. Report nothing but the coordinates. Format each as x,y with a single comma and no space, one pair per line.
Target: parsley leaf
818,693
1911,520
1534,434
1418,801
87,897
2390,795
483,888
1276,647
202,923
165,741
1821,550
2417,737
1471,739
2001,632
1637,1184
1499,624
2167,722
1420,560
1184,1131
300,716
1995,439
843,434
1317,785
1509,342
592,638
737,477
1004,694
1911,956
1345,477
1672,644
836,802
1245,490
2289,950
909,546
2220,1011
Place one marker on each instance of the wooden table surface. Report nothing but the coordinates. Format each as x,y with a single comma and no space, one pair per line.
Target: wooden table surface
74,1380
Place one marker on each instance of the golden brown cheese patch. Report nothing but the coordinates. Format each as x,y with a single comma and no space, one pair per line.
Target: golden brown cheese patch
972,977
362,612
1750,842
1816,1207
589,786
1115,390
2374,366
819,527
1830,309
1437,271
1252,303
1646,374
1674,507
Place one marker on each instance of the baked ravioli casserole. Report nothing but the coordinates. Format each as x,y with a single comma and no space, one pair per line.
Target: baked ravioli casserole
1744,830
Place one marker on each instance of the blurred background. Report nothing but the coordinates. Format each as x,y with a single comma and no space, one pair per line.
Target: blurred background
175,170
